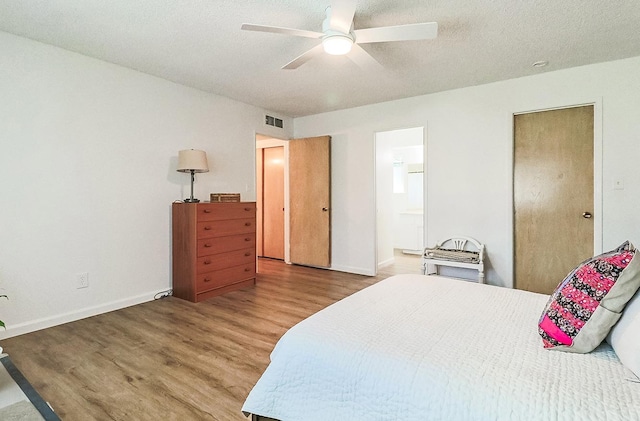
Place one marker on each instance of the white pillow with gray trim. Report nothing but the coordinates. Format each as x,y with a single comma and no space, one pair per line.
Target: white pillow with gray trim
624,337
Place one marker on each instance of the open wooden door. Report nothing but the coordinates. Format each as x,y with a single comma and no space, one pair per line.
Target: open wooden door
310,201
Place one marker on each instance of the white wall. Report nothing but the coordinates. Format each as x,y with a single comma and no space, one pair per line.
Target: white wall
469,158
88,152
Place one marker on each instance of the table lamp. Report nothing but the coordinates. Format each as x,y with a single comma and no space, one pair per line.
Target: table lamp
193,161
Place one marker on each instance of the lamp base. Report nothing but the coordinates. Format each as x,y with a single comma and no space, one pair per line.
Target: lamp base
191,200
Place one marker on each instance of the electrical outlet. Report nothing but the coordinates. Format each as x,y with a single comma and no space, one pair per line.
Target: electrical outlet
82,280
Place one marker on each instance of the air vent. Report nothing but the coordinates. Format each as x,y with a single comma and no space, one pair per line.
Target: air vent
272,121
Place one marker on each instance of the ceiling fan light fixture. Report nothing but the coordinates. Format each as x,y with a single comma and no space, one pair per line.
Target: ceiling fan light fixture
337,45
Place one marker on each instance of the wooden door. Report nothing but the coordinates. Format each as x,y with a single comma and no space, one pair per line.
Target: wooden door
310,201
553,195
273,203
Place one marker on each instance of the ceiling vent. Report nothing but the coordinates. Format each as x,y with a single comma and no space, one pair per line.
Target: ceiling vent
272,121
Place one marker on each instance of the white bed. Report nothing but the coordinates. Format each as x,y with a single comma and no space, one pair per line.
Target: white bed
416,347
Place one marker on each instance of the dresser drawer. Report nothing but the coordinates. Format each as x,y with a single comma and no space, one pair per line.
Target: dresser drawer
224,260
224,277
210,229
208,246
221,211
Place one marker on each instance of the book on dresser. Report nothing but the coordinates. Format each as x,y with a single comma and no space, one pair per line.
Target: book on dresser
214,248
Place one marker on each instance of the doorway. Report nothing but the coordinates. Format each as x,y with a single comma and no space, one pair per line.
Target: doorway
553,195
400,195
298,216
271,198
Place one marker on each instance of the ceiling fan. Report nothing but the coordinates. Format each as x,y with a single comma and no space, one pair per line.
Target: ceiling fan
339,38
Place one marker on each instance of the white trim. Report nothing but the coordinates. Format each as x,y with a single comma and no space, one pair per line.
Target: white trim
598,194
425,185
597,174
386,262
72,316
374,178
351,269
270,143
287,208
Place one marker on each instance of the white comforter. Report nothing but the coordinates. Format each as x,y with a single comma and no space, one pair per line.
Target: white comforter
416,347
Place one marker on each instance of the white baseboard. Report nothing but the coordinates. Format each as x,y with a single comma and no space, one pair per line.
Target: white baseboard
357,271
386,262
72,316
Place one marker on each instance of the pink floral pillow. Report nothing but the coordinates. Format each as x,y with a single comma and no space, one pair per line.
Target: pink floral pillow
590,300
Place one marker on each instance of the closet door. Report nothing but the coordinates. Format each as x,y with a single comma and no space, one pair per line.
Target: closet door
553,195
273,203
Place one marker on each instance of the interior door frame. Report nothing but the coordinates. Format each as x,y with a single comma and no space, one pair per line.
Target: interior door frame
597,174
270,143
375,187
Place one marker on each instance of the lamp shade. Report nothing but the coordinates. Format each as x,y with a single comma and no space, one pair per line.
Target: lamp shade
192,160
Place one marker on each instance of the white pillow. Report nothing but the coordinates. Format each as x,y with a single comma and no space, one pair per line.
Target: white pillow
624,337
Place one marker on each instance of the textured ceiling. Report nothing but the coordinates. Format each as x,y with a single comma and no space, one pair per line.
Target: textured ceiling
200,44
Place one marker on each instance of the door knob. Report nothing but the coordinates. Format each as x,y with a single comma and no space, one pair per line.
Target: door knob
586,215
324,209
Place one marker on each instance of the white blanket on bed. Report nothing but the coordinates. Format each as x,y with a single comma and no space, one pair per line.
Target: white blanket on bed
416,347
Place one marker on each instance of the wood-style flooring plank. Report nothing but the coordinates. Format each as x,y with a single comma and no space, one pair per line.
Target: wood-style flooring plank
170,359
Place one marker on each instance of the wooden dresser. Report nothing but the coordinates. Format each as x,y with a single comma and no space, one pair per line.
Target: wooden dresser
214,248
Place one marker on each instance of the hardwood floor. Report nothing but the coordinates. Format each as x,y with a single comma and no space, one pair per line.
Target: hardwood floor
170,359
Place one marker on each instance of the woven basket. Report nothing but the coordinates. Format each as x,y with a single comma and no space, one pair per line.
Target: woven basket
225,197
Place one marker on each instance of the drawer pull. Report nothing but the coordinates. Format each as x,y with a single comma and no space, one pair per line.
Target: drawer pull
207,211
247,239
247,209
247,224
207,262
207,245
207,280
247,254
247,269
207,228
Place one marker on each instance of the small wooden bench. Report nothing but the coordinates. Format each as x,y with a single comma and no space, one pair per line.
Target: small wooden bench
451,252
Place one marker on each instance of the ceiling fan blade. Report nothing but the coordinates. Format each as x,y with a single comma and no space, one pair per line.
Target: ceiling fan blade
342,12
414,31
304,57
280,30
363,59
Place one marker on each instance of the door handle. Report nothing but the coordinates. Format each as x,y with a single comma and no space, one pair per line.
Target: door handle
586,215
325,209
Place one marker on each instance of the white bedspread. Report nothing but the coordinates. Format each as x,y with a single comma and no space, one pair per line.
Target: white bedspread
416,347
